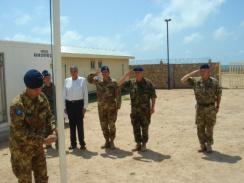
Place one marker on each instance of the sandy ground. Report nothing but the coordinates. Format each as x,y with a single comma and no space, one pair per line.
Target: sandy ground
172,149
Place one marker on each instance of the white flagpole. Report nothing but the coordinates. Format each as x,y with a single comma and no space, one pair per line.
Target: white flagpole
57,65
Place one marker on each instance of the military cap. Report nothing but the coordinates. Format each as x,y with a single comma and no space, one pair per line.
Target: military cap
138,68
204,66
45,73
104,68
33,79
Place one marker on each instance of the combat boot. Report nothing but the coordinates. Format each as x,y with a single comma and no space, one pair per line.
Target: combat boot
106,145
202,148
112,146
209,148
137,147
143,147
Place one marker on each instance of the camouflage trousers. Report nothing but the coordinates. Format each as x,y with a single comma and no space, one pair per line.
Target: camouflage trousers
205,121
140,123
108,117
23,163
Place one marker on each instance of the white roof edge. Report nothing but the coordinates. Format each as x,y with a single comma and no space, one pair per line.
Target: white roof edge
11,42
70,53
81,51
76,55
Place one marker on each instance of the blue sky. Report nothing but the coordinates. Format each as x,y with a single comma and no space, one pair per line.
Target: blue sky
199,28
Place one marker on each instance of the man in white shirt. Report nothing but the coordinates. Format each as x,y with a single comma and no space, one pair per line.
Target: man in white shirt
76,101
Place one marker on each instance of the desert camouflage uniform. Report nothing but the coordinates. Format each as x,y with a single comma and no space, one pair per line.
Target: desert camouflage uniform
206,93
140,95
49,91
109,101
29,118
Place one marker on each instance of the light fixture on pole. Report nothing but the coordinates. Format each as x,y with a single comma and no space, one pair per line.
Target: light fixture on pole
167,21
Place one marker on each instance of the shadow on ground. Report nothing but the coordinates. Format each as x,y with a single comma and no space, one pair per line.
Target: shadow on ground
116,153
51,153
222,158
150,155
86,154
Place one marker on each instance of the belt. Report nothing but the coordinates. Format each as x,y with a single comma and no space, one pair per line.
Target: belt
205,105
74,101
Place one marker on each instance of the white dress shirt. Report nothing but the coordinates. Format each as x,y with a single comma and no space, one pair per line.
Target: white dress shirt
76,90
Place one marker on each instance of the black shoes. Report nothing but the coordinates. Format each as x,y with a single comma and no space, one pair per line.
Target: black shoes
137,147
72,147
83,148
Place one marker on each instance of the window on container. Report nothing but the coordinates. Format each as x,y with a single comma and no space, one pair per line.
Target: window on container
93,64
100,63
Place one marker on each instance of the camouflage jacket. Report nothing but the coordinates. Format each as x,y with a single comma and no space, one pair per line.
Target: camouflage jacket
108,92
140,94
49,91
30,118
205,92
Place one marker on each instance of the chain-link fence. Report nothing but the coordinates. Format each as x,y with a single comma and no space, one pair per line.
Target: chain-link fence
233,75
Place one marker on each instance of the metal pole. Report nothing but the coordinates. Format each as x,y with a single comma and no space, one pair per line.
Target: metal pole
167,21
59,97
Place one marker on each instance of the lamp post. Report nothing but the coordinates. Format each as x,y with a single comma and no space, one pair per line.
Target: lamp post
167,22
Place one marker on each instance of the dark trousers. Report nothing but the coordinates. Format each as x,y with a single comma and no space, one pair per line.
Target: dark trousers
75,115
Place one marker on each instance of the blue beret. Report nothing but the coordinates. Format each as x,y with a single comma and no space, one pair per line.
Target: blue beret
204,66
138,68
33,79
45,73
104,68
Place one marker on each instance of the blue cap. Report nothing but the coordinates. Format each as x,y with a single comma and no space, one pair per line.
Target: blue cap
45,73
204,66
104,68
33,79
138,68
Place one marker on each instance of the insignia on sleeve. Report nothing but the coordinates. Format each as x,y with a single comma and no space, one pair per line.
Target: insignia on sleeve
97,78
19,111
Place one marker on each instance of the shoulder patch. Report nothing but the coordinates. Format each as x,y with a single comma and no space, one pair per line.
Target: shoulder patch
97,78
19,111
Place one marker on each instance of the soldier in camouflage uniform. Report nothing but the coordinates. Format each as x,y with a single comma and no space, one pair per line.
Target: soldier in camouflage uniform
48,89
30,113
109,101
143,97
208,95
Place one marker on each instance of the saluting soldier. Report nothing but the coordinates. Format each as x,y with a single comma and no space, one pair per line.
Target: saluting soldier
143,98
208,96
109,102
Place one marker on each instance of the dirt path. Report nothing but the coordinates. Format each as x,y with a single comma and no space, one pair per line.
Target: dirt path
172,156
